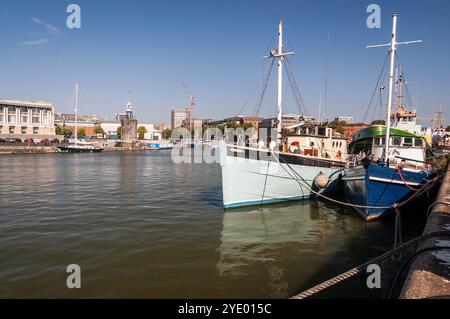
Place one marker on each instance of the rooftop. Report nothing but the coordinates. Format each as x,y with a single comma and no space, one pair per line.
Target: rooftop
43,104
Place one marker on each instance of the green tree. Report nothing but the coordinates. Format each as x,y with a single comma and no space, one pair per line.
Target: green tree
448,128
167,134
378,122
340,130
99,130
119,132
81,132
141,132
66,131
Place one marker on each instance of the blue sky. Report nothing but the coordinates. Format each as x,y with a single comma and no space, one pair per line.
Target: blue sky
216,47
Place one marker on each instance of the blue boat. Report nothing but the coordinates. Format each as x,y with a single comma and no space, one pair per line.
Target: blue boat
373,184
387,164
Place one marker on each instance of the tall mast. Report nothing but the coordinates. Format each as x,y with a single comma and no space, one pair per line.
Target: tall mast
393,48
391,81
280,82
279,54
76,113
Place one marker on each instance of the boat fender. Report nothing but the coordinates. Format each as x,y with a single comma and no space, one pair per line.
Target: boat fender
321,180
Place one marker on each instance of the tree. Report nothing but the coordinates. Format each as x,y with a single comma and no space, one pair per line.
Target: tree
119,132
448,128
81,132
378,122
99,130
167,133
141,132
66,131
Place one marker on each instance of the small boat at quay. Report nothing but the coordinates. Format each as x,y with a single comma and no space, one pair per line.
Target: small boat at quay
287,169
387,163
159,146
79,146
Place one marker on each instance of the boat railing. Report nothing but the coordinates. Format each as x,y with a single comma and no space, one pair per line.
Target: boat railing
237,148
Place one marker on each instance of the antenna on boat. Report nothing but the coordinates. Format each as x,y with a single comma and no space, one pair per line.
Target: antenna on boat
76,113
392,51
279,54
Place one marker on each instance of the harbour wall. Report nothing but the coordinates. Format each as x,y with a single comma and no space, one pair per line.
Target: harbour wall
429,275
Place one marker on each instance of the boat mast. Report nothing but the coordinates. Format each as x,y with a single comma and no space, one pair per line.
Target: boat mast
391,81
280,82
392,51
76,113
279,54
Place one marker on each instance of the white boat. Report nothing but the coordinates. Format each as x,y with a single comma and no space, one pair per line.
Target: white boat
79,146
255,176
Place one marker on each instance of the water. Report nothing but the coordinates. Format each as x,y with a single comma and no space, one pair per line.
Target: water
140,226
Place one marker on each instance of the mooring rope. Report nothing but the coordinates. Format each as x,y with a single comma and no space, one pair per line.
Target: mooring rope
420,191
362,268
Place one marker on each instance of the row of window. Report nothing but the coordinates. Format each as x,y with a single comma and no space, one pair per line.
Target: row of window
24,119
399,141
23,130
337,144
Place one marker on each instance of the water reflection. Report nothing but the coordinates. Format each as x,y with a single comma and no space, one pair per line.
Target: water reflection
285,244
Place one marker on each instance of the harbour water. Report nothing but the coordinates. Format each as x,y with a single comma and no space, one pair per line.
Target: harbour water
140,226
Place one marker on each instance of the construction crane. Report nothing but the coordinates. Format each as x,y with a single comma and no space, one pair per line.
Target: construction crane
191,104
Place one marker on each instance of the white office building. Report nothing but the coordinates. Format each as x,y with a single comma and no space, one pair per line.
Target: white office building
25,119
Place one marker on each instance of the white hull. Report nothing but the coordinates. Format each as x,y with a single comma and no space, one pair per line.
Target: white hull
247,182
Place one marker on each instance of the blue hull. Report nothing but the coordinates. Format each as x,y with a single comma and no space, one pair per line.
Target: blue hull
378,185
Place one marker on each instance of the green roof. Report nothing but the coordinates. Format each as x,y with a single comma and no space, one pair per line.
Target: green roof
380,131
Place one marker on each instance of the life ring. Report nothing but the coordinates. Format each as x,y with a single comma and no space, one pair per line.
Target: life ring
296,145
339,154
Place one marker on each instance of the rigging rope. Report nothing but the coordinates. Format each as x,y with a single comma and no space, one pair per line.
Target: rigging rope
376,87
425,187
261,97
295,89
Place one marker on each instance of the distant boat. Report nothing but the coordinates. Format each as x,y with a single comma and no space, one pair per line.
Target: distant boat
159,146
388,163
79,146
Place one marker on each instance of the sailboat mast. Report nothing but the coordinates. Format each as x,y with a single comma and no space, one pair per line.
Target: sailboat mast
280,82
76,113
391,82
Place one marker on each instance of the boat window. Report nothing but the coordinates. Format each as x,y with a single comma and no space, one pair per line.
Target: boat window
418,142
321,131
333,144
396,141
408,141
376,141
383,141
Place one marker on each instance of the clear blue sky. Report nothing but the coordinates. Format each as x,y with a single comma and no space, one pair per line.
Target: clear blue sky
216,47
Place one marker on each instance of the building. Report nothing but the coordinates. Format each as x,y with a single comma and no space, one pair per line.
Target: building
25,119
194,122
150,131
110,129
349,130
161,126
240,120
88,127
344,119
178,116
